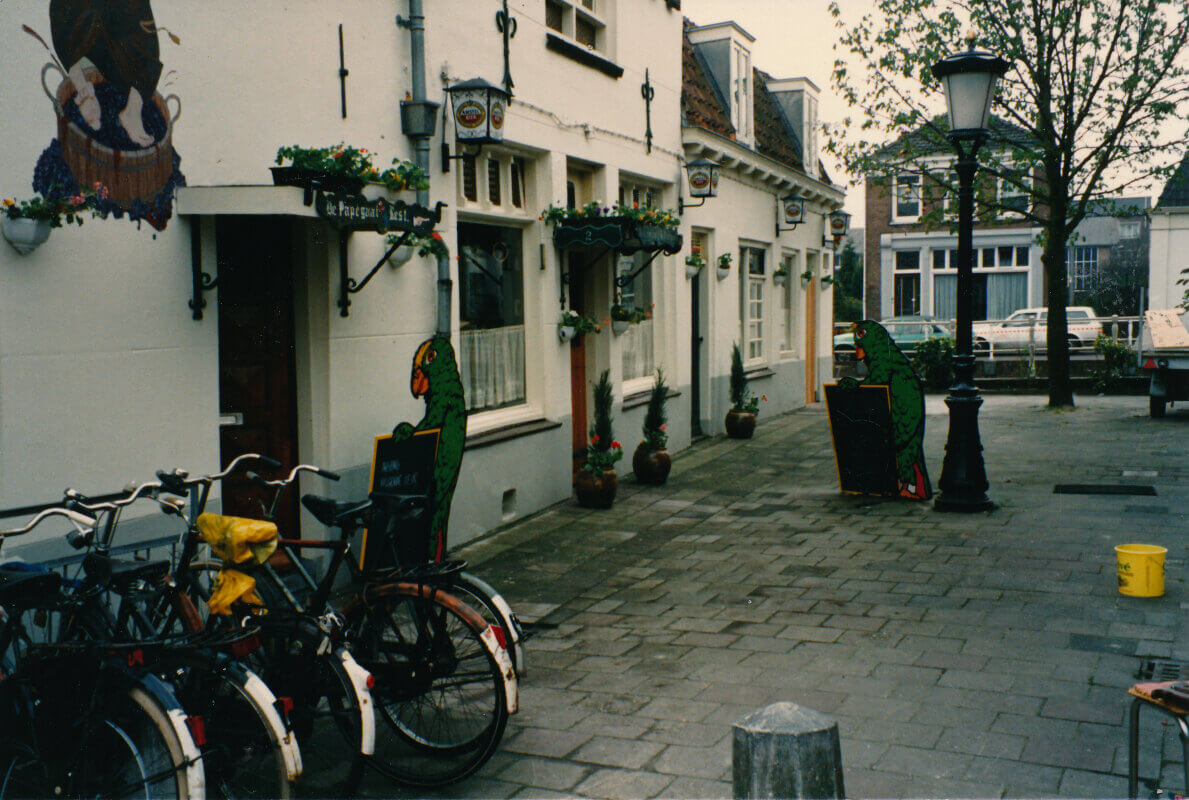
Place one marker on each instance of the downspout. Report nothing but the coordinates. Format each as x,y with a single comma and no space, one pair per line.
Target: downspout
418,119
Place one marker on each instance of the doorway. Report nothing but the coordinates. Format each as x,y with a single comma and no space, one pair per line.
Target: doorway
577,368
811,263
257,394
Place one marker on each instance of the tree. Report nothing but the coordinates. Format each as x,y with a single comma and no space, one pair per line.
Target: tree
1094,87
848,285
1120,282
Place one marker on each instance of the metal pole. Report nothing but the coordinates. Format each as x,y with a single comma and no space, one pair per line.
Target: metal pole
963,481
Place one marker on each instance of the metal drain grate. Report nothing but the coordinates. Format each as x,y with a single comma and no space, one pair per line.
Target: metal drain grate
1104,488
1162,669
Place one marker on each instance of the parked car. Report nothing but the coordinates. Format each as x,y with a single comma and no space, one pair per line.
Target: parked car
906,332
1014,332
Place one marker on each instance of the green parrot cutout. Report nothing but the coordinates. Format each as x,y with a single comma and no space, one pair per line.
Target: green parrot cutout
887,366
436,379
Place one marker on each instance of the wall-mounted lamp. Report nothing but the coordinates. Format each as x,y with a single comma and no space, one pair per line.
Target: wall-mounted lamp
792,212
837,226
479,111
701,175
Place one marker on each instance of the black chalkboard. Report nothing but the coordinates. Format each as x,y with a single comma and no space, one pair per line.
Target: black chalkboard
861,427
399,469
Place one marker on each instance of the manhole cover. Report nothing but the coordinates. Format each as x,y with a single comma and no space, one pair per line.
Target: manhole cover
1104,488
1162,669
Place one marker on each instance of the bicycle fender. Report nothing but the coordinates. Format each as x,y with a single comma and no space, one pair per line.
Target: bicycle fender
264,700
367,713
507,615
507,671
160,691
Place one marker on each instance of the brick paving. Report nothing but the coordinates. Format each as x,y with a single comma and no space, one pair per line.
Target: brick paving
963,656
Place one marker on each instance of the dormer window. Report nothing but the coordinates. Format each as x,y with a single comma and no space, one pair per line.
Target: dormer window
742,109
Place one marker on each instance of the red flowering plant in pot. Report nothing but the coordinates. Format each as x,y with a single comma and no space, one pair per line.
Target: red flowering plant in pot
597,482
651,461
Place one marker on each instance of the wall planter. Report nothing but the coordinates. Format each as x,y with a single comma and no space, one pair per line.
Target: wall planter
596,491
25,235
619,326
692,272
566,332
722,273
651,466
780,279
740,424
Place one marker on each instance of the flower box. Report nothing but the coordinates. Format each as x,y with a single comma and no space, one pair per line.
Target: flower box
316,179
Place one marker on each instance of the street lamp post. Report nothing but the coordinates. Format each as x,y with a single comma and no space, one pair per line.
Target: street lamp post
969,80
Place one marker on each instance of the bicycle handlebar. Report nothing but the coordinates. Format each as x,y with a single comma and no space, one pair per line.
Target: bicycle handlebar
80,520
178,481
281,483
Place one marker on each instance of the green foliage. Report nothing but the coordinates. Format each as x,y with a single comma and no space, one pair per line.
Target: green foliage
603,451
655,417
724,261
431,245
934,362
581,325
56,211
1120,282
1117,358
626,313
847,308
666,218
741,397
352,162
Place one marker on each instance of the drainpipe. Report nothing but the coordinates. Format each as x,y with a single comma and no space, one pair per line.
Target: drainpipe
418,117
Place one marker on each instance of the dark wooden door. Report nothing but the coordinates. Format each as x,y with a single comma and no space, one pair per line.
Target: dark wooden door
577,376
695,349
257,397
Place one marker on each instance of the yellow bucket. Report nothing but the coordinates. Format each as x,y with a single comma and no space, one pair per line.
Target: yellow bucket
1141,569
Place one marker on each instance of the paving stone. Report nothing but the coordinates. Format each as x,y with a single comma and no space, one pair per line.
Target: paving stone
545,773
544,742
615,752
695,762
685,788
618,784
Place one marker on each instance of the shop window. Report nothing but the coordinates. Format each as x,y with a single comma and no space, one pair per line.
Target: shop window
491,311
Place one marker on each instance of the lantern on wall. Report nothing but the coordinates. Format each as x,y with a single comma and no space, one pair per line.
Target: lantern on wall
792,212
701,175
480,109
837,225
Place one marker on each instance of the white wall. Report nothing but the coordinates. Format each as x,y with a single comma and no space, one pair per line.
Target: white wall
1169,256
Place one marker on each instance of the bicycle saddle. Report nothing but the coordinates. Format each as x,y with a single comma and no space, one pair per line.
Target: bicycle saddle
332,512
23,588
121,574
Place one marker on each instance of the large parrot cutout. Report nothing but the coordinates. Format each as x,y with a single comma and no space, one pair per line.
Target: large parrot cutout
886,365
436,379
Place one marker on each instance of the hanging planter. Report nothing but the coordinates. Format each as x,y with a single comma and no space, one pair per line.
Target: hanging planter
724,266
25,235
694,263
806,277
692,272
780,278
619,326
573,325
566,332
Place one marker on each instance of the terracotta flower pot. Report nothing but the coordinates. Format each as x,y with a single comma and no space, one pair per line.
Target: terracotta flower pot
651,466
596,491
740,424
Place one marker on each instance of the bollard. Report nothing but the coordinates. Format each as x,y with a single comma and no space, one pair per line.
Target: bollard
787,750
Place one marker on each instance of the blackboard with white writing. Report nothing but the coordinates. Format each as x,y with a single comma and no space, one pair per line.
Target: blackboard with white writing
861,427
404,467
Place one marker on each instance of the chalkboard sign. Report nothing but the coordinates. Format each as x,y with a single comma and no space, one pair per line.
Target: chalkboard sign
400,468
861,427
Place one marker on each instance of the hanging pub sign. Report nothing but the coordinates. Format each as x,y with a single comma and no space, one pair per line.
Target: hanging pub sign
352,212
622,234
479,111
702,176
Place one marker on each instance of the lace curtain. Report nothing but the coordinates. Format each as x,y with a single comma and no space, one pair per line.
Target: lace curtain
1005,293
491,361
638,360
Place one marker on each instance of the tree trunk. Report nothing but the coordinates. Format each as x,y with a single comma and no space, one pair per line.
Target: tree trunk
1053,258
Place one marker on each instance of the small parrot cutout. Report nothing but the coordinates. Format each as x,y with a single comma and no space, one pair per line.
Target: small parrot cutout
887,366
436,379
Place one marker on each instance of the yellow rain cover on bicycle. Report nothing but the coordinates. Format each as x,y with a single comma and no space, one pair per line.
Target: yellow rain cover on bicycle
236,540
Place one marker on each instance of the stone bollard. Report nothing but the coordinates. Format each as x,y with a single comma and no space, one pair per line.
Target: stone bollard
787,750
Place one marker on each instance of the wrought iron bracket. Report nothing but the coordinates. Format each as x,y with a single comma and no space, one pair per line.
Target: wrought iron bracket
649,94
626,278
343,73
348,285
505,23
202,282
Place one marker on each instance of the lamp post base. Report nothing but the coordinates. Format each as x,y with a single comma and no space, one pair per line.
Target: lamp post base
963,481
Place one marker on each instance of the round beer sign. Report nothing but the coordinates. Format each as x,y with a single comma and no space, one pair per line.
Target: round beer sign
497,115
699,181
470,115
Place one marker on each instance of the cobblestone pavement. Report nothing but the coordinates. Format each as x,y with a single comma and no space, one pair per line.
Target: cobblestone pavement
963,656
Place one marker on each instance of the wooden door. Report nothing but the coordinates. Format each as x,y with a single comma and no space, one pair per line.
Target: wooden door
695,348
577,376
811,338
257,396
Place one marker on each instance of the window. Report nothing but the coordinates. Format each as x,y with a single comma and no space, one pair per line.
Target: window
494,180
470,183
908,259
491,308
993,295
790,263
554,14
742,111
1083,267
637,344
751,262
584,21
906,199
516,177
1013,193
906,285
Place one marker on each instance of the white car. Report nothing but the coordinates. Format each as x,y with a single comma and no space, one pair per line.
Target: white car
1030,324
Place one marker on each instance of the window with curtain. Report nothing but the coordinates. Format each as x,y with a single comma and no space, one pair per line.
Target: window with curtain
787,314
491,308
906,199
751,262
636,345
993,295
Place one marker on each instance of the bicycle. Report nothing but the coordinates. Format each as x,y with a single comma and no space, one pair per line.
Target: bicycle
444,685
83,719
248,744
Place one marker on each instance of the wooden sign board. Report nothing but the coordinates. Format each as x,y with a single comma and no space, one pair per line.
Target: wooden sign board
404,467
861,428
1166,328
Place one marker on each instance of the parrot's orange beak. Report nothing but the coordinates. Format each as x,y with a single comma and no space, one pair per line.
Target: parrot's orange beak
860,353
420,383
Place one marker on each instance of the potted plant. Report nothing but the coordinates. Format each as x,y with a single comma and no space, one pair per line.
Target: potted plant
595,211
622,316
724,265
573,325
781,276
741,419
694,263
343,168
26,224
651,461
806,277
597,482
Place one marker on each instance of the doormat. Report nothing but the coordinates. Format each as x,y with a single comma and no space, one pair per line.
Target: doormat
1104,488
1162,669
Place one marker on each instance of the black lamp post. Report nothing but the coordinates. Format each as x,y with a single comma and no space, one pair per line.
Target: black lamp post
969,80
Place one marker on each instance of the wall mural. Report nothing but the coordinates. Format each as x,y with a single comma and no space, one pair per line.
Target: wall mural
888,366
115,130
436,378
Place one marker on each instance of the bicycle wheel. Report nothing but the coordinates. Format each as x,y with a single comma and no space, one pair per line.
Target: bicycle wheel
438,689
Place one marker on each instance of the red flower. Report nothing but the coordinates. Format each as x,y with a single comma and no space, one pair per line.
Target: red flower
616,445
594,440
661,428
437,236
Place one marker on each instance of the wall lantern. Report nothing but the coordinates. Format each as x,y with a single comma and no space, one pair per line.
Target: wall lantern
969,78
838,225
792,212
701,175
479,112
